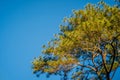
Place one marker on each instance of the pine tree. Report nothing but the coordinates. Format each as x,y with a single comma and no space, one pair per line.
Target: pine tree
87,47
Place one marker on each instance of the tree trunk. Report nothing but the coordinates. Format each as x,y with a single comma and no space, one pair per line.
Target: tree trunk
108,76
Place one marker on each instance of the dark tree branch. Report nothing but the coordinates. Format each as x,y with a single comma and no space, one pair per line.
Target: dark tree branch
114,52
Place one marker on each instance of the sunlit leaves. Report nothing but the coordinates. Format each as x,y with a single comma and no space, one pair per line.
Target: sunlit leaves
90,39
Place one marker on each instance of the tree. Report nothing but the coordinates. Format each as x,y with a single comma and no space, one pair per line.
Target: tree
87,47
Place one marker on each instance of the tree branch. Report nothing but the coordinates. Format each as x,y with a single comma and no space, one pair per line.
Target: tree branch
113,74
90,67
114,52
103,60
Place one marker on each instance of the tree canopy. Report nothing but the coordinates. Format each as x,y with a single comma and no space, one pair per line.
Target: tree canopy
87,47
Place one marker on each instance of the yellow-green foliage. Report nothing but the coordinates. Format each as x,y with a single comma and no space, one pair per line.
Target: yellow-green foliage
87,29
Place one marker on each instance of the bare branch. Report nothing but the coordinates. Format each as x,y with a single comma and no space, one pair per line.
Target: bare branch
90,67
103,60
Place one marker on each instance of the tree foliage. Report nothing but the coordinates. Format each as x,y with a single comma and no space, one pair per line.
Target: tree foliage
87,47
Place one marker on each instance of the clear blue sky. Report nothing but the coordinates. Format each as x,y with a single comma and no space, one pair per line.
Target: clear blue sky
25,25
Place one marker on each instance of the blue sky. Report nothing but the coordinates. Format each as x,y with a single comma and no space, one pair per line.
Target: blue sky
25,25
